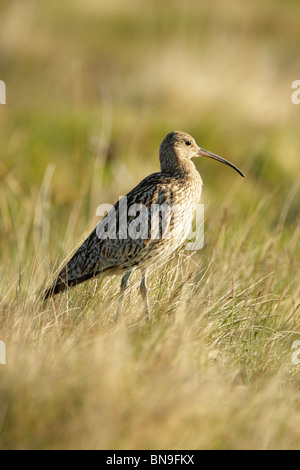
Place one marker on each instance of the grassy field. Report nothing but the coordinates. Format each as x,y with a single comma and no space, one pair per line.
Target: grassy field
92,88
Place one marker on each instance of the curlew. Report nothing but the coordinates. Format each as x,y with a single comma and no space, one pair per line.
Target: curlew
115,247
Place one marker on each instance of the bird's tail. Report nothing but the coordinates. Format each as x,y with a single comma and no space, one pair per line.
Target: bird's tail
56,288
79,269
62,284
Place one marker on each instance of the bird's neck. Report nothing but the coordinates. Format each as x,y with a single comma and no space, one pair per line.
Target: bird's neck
178,167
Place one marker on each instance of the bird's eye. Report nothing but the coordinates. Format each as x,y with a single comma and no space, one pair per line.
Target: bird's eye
188,142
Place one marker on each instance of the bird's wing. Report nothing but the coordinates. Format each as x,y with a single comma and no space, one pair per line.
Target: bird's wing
117,240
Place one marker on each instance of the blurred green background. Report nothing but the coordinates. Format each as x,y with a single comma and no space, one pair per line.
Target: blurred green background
94,86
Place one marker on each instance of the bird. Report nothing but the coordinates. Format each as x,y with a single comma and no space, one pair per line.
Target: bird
145,227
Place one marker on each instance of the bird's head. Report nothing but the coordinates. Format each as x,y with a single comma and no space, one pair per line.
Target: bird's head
183,147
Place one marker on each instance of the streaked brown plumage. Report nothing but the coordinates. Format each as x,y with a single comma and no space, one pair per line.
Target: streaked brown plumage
179,185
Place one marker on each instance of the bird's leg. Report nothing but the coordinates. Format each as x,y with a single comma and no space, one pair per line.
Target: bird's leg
122,290
144,293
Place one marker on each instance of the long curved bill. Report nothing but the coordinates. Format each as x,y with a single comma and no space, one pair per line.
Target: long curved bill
205,153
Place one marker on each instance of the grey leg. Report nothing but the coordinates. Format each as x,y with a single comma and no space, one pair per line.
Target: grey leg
123,288
144,293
